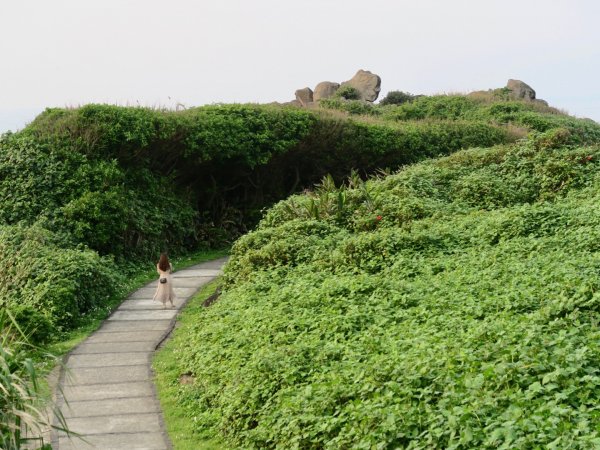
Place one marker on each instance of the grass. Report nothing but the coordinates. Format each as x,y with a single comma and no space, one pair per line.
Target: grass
181,426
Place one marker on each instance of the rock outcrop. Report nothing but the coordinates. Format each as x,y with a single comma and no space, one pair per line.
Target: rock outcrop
366,83
304,96
514,90
325,89
520,90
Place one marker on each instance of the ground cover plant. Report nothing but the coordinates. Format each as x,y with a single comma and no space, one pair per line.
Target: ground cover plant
166,366
451,305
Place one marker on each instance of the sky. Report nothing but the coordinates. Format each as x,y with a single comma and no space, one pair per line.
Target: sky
194,52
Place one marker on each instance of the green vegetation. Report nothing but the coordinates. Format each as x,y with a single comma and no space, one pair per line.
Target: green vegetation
22,415
453,304
396,98
339,290
347,93
92,194
170,382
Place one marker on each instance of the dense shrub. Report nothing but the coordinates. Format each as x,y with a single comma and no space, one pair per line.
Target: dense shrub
61,284
347,93
353,107
110,208
249,133
127,183
227,162
396,98
445,107
451,305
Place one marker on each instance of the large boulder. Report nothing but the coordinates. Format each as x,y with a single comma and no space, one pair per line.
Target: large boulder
325,89
366,83
520,90
304,96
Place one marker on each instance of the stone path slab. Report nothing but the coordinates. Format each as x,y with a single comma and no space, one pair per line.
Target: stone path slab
118,441
132,389
149,314
200,273
134,325
107,394
107,407
77,376
109,359
125,336
148,293
114,347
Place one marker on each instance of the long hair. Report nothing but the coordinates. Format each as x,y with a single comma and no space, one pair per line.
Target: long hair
163,263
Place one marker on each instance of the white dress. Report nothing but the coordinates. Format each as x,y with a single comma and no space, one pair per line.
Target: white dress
165,291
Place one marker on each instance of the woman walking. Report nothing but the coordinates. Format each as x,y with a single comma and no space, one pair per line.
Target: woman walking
164,290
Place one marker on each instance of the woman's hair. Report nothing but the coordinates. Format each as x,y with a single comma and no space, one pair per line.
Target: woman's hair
163,262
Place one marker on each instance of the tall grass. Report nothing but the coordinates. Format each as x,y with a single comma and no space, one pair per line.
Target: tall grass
22,418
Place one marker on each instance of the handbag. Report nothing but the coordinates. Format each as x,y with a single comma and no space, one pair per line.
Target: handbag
162,280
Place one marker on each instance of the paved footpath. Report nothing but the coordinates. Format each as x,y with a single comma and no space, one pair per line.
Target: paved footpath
108,385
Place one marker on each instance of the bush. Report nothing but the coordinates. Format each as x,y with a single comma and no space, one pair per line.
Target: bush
60,284
353,107
348,93
126,183
99,203
138,179
36,325
396,98
453,304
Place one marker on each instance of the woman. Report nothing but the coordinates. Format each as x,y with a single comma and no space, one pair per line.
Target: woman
164,290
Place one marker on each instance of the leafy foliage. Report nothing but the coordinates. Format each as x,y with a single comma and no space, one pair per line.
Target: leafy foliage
353,107
450,305
348,93
61,284
396,98
88,191
338,276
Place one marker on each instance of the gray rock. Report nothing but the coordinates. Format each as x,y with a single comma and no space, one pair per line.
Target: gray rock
541,102
304,96
520,90
366,83
325,89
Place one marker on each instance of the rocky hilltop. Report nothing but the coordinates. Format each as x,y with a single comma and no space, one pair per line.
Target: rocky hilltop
368,86
516,90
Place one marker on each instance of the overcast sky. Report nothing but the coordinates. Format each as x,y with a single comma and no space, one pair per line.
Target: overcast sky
194,52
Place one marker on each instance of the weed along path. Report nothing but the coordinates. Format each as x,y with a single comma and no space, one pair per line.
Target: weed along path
108,394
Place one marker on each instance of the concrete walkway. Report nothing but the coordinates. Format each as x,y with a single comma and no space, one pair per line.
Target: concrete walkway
108,385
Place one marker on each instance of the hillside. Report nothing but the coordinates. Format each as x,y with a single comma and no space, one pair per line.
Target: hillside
448,301
100,189
452,304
